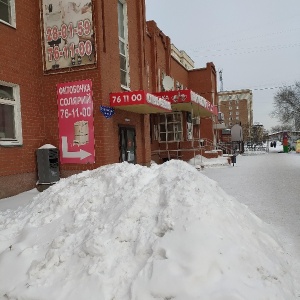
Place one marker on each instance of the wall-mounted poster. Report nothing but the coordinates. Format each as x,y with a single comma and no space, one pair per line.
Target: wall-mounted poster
76,122
68,31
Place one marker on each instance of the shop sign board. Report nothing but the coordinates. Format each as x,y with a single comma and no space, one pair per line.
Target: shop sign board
139,98
68,33
76,122
187,96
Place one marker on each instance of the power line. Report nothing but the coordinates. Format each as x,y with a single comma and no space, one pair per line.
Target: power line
253,51
247,48
273,88
251,89
244,39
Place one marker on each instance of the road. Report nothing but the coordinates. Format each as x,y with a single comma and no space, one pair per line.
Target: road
269,184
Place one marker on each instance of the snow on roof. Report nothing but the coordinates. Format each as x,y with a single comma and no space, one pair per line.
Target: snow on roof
47,146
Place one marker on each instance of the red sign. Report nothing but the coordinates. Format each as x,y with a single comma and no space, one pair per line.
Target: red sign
182,96
187,96
139,98
76,122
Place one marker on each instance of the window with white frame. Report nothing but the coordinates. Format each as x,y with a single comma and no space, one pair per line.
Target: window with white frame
123,43
230,107
7,12
230,113
237,107
170,127
237,113
10,115
237,118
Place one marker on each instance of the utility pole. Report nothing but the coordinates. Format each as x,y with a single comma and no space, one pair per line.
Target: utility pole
221,80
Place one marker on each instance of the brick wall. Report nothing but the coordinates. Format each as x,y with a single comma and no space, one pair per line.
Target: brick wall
38,91
21,64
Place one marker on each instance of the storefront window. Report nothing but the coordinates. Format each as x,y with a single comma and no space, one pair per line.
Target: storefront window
170,127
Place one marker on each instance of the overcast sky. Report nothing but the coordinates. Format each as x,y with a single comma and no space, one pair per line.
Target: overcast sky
255,43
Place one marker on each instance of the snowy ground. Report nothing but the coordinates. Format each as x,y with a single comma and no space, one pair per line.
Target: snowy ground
130,232
269,185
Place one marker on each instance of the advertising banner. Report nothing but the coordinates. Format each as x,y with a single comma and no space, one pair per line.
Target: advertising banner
76,122
68,33
138,97
139,102
180,98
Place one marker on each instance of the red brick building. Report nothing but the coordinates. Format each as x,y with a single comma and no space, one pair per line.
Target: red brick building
237,107
61,61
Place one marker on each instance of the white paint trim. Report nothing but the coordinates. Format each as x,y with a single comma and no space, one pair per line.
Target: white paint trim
17,115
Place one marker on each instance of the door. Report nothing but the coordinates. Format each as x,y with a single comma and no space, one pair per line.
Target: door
127,144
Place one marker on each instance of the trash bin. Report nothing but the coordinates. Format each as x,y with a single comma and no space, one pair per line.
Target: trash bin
233,159
47,166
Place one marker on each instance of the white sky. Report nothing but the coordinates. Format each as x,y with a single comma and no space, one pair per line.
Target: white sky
128,232
255,43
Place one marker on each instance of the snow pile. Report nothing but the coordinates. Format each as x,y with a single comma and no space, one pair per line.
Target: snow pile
130,232
278,148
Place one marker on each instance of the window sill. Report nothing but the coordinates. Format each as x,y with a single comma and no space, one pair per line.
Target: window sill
10,143
125,88
8,24
165,142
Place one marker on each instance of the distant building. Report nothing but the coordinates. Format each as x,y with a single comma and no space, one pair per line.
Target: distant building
182,58
258,133
237,109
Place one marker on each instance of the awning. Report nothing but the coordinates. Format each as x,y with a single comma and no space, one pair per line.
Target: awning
187,100
140,102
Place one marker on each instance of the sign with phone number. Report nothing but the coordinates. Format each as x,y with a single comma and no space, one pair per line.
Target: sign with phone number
76,122
138,98
68,34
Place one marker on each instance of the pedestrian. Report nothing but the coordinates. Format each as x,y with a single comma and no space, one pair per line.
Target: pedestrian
271,144
274,144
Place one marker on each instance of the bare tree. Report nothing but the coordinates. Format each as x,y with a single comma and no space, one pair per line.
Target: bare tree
287,105
284,127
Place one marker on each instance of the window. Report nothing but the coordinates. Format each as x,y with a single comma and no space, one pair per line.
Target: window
7,12
237,113
123,43
230,107
179,86
230,113
10,115
170,127
230,119
237,107
237,118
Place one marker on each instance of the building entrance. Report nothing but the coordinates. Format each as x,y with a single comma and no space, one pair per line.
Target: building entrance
127,144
